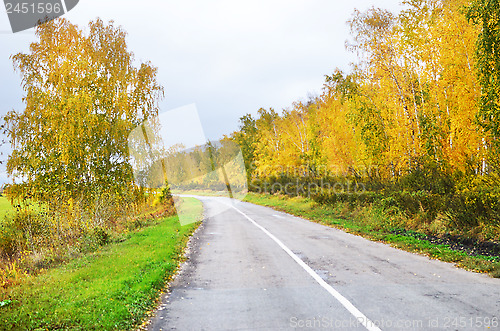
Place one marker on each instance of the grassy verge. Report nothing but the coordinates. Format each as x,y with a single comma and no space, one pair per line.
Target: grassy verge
368,224
108,290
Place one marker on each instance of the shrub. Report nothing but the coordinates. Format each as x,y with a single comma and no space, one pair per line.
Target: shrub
10,239
468,209
101,236
428,177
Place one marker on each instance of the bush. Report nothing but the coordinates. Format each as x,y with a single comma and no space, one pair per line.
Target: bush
47,233
352,199
166,194
428,177
101,236
429,198
468,209
10,239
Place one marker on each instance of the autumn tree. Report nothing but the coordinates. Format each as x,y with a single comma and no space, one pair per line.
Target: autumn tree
486,13
353,131
246,137
83,95
268,146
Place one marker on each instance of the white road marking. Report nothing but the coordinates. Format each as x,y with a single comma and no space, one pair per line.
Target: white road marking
360,317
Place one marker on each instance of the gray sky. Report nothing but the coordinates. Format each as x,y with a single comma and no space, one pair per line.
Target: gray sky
228,57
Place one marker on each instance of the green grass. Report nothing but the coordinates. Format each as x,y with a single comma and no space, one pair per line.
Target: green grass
5,207
112,289
374,229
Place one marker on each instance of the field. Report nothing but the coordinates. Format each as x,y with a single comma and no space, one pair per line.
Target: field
5,207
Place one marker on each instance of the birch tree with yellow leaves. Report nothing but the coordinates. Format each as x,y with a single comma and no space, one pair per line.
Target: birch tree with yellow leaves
83,95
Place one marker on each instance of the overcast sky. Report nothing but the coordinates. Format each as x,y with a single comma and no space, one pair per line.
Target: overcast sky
228,57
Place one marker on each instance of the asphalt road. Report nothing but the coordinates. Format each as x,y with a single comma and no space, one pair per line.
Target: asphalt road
253,268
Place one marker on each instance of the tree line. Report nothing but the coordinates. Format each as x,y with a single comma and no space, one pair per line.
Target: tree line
415,98
418,111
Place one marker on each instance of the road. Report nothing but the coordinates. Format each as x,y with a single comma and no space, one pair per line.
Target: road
254,268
